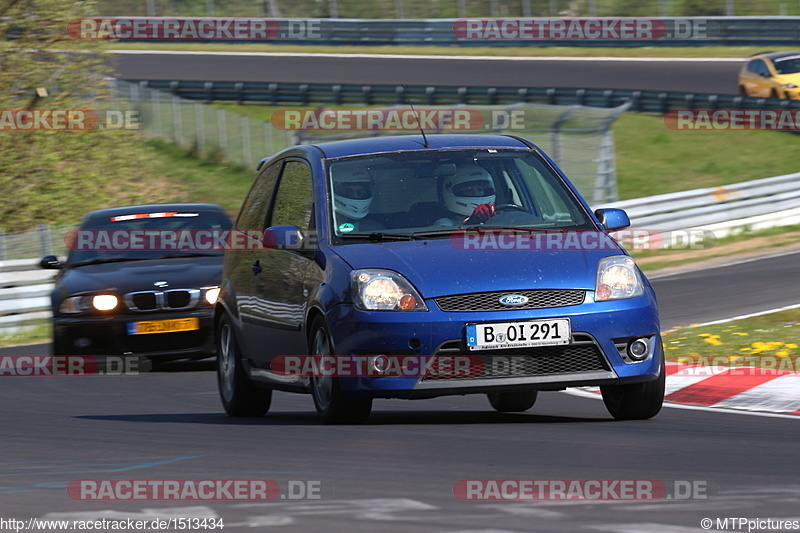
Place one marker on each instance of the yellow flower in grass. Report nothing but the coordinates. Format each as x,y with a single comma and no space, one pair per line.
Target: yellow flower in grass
704,335
672,347
782,353
733,357
791,346
741,333
745,349
713,340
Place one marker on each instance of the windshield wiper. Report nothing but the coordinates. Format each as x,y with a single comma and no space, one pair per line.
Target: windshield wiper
101,260
377,236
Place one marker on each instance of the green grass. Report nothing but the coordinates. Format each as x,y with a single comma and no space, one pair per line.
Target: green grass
509,51
35,334
653,159
766,341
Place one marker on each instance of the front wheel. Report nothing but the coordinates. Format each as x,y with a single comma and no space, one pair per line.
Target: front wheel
332,407
240,397
513,402
637,401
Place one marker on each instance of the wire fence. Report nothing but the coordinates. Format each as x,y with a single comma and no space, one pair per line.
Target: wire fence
38,242
578,138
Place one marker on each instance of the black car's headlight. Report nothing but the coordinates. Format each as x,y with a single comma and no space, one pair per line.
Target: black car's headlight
88,302
211,295
376,289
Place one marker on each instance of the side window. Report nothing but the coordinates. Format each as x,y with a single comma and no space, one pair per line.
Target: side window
294,199
758,66
254,209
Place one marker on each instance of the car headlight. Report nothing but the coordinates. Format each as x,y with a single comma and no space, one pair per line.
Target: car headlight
617,278
88,302
384,290
789,86
212,294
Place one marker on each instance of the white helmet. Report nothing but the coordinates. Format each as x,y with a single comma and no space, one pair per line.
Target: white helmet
468,188
352,190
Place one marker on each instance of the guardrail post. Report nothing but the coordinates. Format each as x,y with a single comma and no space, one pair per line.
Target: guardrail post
337,94
523,95
430,92
551,96
366,91
45,239
462,95
491,93
304,94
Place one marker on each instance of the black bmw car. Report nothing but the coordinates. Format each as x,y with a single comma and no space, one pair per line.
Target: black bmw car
141,281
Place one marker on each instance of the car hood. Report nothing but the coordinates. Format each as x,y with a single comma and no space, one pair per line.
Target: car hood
179,273
437,268
789,78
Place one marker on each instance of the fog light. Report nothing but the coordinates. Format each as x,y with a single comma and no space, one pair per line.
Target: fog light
380,363
83,342
639,349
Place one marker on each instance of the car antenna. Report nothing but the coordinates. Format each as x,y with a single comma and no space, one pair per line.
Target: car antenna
419,122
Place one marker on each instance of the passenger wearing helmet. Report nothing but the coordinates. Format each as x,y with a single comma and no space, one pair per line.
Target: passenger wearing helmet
468,193
352,197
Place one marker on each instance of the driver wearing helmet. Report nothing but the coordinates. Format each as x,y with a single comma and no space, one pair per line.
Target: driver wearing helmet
468,193
352,197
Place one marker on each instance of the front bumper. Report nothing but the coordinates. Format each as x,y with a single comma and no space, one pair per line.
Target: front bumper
108,335
595,356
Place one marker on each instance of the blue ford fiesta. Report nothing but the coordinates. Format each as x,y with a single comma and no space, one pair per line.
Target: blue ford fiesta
416,267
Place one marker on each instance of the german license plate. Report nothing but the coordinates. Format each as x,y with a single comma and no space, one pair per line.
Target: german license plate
495,336
163,326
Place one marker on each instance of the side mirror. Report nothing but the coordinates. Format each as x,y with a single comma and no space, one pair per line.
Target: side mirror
51,262
283,238
613,219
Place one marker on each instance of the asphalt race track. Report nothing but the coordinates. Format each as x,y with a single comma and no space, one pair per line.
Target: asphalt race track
399,472
703,76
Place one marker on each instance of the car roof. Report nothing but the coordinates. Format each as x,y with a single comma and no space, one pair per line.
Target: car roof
373,145
774,55
152,208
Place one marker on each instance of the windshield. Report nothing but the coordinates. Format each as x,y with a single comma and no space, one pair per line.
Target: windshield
788,65
441,191
136,236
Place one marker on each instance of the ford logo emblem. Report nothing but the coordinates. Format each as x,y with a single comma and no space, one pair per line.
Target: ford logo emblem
513,299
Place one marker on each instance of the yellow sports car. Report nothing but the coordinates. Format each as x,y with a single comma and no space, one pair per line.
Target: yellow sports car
771,75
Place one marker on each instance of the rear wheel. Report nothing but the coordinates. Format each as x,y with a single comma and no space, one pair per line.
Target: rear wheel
513,402
637,401
332,407
742,91
239,395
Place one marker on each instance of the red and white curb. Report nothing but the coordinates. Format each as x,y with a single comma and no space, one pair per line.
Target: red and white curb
743,388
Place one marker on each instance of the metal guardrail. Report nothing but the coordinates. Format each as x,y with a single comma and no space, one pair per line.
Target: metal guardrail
668,31
754,205
24,293
334,94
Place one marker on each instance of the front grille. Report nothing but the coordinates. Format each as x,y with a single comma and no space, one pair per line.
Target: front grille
490,301
583,355
171,300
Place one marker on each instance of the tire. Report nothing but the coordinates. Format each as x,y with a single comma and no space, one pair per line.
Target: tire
332,407
774,94
637,401
513,402
240,397
742,91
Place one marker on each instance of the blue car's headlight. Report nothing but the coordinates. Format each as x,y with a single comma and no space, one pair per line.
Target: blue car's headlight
617,278
383,290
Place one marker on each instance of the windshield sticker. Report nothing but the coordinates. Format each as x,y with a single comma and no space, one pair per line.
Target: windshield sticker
346,227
